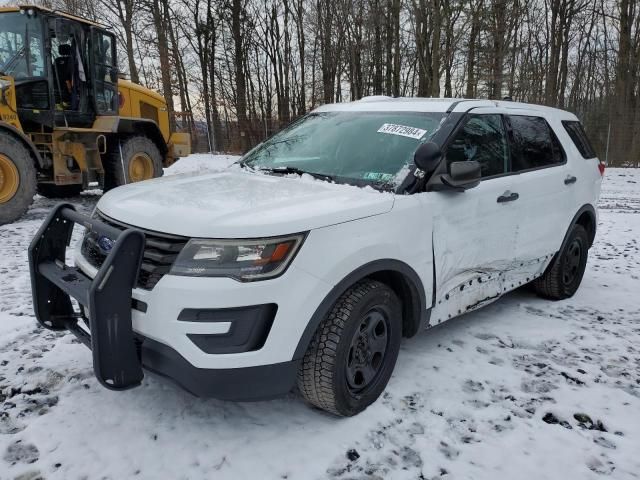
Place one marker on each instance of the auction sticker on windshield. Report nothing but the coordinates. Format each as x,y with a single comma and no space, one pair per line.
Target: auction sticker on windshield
402,130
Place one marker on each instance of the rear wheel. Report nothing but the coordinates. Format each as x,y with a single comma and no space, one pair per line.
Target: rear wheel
134,159
352,354
17,178
564,275
50,190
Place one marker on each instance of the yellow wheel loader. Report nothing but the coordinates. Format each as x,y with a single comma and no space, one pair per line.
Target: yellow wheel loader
67,121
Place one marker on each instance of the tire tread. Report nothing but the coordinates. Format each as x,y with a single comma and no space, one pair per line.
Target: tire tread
316,375
549,285
24,161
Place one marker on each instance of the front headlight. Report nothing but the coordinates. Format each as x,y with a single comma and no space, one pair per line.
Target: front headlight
244,260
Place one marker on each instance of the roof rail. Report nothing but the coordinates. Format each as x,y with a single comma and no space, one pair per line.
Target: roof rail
456,103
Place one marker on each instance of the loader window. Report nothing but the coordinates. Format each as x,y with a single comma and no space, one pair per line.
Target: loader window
21,46
104,72
68,66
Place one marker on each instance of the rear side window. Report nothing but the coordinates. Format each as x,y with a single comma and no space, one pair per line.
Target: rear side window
579,138
534,144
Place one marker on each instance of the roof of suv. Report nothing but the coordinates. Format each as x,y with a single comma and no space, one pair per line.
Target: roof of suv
381,103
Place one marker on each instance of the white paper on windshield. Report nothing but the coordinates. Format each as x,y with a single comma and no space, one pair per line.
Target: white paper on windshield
402,130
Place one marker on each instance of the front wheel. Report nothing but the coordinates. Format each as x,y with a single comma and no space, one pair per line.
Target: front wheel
563,276
17,178
354,350
133,159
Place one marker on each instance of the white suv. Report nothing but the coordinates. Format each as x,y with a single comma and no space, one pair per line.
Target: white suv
309,259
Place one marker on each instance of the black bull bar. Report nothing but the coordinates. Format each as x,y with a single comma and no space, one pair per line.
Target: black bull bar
105,300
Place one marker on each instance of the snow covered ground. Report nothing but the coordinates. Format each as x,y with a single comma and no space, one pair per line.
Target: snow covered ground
524,388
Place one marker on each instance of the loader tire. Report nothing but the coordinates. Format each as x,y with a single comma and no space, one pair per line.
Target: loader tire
50,190
17,178
133,159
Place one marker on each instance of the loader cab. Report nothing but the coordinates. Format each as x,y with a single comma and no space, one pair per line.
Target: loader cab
64,68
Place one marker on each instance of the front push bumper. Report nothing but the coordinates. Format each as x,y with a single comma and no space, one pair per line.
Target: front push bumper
105,300
105,303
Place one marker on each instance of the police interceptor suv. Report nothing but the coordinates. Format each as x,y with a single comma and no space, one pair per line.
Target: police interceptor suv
308,261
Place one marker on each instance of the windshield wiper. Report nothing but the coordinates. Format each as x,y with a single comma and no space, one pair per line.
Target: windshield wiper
8,66
298,171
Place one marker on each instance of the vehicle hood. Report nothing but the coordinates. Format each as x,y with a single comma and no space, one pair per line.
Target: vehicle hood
236,203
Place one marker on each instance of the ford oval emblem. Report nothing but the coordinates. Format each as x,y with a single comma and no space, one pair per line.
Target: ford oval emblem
105,243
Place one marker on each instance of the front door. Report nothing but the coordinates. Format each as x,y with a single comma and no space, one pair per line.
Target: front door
104,72
474,231
70,87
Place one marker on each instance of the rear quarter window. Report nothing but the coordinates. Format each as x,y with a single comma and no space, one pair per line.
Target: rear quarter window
579,138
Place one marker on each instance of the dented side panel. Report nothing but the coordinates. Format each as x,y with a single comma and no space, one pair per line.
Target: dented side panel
474,246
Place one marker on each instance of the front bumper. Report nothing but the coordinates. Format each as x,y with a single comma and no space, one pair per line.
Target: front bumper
240,384
297,294
164,332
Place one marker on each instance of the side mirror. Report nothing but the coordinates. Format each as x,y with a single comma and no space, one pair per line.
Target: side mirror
427,157
463,175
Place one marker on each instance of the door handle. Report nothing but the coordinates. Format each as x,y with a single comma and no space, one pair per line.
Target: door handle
570,179
508,197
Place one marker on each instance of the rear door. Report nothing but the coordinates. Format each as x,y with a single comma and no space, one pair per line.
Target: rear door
545,187
474,231
104,72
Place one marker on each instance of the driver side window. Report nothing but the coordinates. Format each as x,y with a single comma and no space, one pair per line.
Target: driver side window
481,139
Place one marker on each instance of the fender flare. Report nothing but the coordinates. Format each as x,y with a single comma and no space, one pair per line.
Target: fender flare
588,208
25,140
419,312
149,127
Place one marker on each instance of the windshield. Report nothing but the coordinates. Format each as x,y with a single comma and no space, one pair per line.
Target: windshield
358,147
21,46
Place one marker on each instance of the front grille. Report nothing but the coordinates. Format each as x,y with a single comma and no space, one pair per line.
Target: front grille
160,251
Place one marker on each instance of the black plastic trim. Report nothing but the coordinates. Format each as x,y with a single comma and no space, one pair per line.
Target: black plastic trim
139,305
592,213
418,314
239,384
250,327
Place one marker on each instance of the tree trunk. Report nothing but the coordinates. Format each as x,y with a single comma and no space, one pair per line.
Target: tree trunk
159,9
237,10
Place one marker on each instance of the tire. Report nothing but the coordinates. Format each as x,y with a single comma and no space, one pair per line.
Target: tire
17,178
50,190
333,373
135,149
563,276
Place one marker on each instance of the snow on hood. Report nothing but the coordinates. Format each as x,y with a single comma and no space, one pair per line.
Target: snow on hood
238,204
